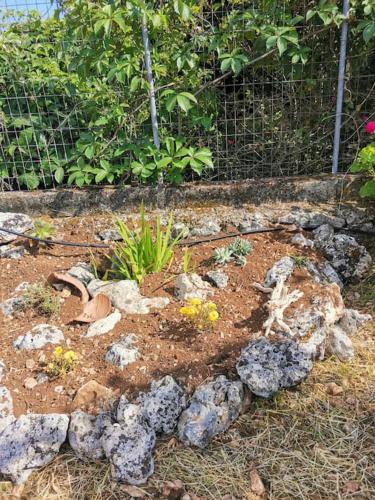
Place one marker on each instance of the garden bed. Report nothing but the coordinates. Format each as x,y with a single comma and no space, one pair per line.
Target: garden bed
166,343
291,277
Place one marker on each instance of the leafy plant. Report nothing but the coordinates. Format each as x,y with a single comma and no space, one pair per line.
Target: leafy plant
365,163
144,250
41,298
62,362
43,229
300,260
222,255
201,313
237,250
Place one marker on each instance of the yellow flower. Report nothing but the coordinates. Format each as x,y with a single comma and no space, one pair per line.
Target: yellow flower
213,316
195,302
211,306
58,351
188,311
70,356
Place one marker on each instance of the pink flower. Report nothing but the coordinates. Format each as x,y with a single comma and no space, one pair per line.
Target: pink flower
370,128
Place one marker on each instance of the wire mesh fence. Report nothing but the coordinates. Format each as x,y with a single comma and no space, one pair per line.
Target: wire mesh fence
269,120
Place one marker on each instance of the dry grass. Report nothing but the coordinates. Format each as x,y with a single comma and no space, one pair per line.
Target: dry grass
42,298
304,443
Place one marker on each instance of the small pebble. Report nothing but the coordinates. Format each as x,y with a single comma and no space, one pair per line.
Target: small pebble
30,383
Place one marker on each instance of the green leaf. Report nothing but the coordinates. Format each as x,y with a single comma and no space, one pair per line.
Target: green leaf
29,179
369,32
183,102
59,175
282,45
171,102
90,151
271,42
120,21
368,189
225,64
310,14
191,97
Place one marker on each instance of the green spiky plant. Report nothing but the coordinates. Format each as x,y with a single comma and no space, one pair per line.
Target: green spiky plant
144,250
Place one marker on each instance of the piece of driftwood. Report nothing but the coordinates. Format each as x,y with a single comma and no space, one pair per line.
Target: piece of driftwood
280,299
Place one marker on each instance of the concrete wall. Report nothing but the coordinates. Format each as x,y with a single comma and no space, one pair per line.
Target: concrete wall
70,201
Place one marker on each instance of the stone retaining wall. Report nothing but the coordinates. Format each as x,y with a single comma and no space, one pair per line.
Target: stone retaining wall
70,201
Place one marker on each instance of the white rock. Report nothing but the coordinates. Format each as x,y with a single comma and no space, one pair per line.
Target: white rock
85,433
125,295
83,272
30,442
11,252
104,325
3,370
6,408
16,222
189,286
352,320
300,240
340,344
123,352
163,404
283,268
129,446
38,337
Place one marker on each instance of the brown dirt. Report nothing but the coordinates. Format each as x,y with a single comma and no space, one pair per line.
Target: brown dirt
168,345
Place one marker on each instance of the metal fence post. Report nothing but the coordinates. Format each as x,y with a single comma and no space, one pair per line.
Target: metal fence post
150,79
340,87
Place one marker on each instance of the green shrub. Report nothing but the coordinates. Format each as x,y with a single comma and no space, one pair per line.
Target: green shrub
144,250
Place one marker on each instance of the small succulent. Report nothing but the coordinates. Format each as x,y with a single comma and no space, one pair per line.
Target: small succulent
240,247
241,260
222,255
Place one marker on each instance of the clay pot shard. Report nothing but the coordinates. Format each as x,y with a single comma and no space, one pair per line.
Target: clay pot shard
98,308
70,280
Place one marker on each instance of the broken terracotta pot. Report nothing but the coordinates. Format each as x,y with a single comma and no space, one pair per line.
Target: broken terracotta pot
70,280
98,308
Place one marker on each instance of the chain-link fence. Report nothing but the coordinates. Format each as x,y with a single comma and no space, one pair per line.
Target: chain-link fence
269,120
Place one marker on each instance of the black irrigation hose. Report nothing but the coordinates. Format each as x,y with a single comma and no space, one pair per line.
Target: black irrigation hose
103,245
180,243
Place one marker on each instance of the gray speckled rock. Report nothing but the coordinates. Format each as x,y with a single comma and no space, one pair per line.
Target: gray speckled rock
213,407
323,273
12,305
129,445
267,367
109,235
346,255
11,252
300,240
123,352
104,325
282,268
189,286
30,442
3,370
253,221
352,320
38,337
310,324
15,222
206,228
218,278
85,433
301,217
6,408
339,344
163,404
83,272
125,295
